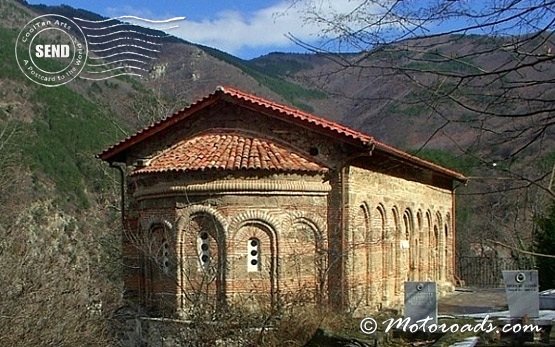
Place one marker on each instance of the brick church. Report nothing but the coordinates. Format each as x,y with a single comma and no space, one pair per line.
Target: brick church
238,200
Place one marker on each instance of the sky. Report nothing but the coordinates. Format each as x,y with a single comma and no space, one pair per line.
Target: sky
251,28
244,28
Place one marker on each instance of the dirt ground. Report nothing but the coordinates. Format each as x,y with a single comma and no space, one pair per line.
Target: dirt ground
476,300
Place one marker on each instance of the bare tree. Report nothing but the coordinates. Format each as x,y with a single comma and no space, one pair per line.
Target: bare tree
481,74
499,86
55,291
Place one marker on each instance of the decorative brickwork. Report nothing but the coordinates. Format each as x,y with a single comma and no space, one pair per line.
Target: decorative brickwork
400,247
224,210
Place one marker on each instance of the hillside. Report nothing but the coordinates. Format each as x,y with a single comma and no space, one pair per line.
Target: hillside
64,203
365,94
509,159
369,96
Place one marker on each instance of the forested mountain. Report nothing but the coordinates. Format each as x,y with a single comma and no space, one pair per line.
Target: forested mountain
59,214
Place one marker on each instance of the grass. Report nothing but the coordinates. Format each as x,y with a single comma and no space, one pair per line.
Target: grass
8,66
546,162
282,67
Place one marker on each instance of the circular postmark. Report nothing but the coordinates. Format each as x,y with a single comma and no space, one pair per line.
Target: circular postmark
51,50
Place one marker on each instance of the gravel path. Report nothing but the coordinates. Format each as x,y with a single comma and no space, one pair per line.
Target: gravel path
477,300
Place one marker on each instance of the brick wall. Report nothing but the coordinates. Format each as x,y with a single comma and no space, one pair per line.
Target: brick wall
392,237
349,237
289,225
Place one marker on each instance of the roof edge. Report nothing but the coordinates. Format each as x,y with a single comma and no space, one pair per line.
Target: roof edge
156,127
420,162
110,154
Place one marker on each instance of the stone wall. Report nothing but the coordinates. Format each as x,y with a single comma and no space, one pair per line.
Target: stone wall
396,230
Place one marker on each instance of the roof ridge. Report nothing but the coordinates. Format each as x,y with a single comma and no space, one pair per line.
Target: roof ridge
277,110
235,93
231,91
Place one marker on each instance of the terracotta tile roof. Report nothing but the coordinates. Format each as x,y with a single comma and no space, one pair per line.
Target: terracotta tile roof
298,117
225,150
245,99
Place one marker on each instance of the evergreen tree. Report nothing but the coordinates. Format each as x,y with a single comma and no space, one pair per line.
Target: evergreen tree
545,244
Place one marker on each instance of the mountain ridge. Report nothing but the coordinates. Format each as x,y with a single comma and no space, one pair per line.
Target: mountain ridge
372,99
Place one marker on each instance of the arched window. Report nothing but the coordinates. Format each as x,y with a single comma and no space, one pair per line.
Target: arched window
440,245
407,223
253,255
446,263
396,253
156,265
359,257
436,266
422,247
410,258
431,247
201,265
381,259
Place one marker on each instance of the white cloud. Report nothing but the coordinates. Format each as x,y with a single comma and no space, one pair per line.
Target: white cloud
232,31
